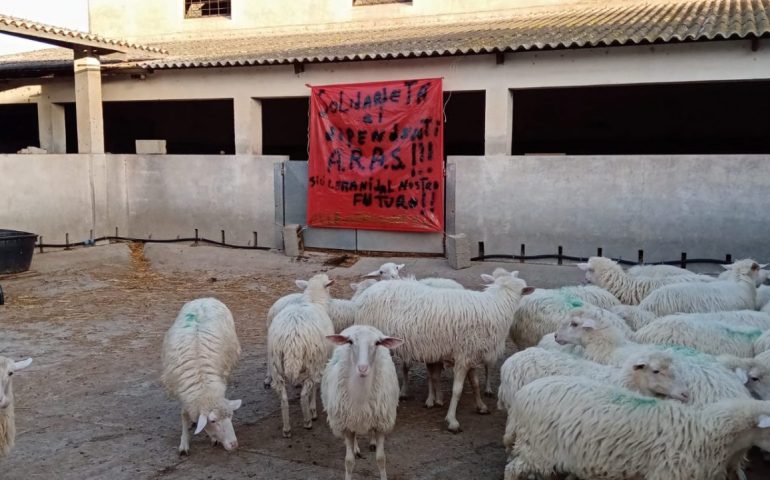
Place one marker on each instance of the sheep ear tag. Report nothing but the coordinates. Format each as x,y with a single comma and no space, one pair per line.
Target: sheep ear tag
202,421
764,421
742,375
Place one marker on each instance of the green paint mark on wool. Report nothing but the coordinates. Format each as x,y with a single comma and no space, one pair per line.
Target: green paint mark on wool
190,320
747,334
633,401
683,351
570,300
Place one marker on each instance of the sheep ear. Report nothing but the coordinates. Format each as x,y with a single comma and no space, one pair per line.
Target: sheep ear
202,421
235,404
301,284
726,267
487,278
640,364
354,286
389,342
584,266
515,274
22,364
589,324
338,339
763,265
742,375
400,266
527,290
329,283
375,273
764,421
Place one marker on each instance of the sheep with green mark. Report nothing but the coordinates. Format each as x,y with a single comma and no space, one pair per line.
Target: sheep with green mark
715,338
594,430
636,318
200,351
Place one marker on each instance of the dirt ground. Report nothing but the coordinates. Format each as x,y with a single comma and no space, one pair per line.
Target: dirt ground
91,406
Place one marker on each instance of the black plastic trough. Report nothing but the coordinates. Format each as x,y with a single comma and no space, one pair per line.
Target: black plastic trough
16,249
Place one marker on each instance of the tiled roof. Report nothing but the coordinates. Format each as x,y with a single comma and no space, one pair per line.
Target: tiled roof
52,34
608,24
611,23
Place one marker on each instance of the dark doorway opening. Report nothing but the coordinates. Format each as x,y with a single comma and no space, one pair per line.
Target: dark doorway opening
285,127
188,126
695,118
20,127
464,127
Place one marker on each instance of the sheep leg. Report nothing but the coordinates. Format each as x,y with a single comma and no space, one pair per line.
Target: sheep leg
372,441
304,400
313,403
268,378
404,393
480,405
434,390
380,456
350,456
460,372
184,444
488,392
356,450
281,387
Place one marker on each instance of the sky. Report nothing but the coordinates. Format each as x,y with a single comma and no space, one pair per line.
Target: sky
71,14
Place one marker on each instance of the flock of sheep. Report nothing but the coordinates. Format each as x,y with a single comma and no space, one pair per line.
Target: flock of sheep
652,373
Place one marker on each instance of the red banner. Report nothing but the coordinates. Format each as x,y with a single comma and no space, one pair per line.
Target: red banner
377,156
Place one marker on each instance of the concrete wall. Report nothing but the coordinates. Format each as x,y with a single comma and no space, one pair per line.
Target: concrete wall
149,20
171,195
707,206
165,196
48,195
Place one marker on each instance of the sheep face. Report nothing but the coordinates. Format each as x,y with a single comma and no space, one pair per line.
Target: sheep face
7,369
575,331
757,377
363,342
218,424
316,281
595,266
387,271
653,375
750,268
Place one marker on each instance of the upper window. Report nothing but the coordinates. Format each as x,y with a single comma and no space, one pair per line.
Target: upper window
206,8
358,3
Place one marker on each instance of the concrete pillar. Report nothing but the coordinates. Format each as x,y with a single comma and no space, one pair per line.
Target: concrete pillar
88,102
248,125
498,122
51,126
458,251
292,240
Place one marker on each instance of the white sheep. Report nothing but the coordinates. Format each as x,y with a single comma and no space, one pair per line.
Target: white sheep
650,374
637,318
298,350
763,296
602,342
594,430
660,271
754,372
714,338
391,271
630,290
359,390
7,415
545,310
341,312
760,275
465,327
737,292
200,351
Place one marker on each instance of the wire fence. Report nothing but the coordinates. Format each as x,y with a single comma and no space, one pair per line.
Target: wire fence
560,258
117,238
